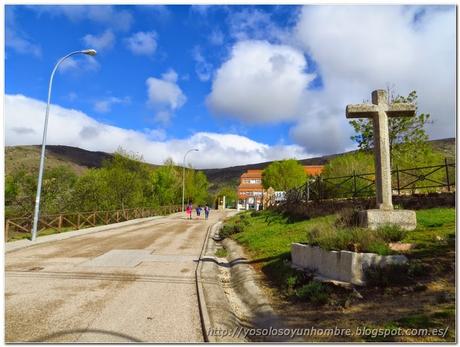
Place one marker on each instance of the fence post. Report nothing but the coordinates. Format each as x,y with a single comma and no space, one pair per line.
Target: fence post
78,221
60,223
447,174
308,190
320,195
397,180
7,229
354,183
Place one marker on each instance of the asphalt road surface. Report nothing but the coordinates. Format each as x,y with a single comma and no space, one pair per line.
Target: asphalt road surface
133,284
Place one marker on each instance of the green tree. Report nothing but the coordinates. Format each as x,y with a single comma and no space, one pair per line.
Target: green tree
284,175
57,189
358,162
196,187
127,177
56,194
91,192
230,193
167,183
406,134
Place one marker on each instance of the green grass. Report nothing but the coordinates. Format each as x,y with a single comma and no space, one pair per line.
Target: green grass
268,236
221,253
435,231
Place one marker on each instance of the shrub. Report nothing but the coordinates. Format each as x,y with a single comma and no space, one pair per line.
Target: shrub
380,248
313,292
230,229
255,213
391,233
329,237
390,275
348,217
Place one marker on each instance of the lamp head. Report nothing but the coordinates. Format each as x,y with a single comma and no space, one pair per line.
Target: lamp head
91,52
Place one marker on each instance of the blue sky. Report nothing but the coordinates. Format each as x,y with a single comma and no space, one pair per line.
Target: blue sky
242,83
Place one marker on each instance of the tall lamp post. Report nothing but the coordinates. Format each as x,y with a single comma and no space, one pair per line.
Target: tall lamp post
91,52
183,176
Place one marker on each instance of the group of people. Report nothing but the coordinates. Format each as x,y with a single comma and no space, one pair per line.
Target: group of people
198,210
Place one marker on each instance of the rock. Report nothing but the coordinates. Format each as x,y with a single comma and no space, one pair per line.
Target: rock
401,247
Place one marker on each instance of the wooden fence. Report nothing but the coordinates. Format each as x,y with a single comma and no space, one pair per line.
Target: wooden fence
81,220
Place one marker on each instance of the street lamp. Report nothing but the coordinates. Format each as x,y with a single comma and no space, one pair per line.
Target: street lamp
91,52
183,176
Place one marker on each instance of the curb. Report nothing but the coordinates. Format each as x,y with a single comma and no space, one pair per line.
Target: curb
204,316
215,311
21,244
245,283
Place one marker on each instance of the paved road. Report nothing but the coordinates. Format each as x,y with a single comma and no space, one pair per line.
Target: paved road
131,284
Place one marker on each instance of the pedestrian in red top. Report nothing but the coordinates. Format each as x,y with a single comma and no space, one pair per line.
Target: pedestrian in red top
189,211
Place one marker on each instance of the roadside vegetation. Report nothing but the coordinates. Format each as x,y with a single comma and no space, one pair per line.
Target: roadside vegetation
423,290
123,182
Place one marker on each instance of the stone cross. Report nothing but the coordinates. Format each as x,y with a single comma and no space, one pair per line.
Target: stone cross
379,111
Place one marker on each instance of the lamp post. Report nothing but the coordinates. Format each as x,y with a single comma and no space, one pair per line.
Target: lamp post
91,52
183,176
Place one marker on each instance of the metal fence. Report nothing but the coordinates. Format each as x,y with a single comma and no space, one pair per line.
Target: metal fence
426,179
81,220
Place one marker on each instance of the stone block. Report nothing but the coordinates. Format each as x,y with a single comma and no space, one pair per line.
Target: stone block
373,219
344,266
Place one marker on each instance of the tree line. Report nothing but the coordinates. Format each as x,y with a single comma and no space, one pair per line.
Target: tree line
123,182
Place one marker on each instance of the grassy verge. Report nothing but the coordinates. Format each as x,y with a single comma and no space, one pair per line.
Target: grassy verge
15,236
424,293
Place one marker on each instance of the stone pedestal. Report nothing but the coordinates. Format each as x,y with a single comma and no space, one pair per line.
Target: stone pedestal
373,219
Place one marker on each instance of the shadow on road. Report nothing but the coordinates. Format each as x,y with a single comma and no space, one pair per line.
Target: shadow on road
48,338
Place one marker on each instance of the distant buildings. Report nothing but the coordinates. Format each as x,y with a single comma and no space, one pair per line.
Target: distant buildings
251,193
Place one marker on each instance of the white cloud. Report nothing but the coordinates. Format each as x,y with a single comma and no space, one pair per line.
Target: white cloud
24,119
366,49
17,39
255,24
109,16
142,43
203,69
261,82
105,105
104,41
355,49
79,63
165,95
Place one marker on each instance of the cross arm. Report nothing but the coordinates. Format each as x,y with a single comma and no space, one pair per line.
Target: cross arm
361,111
401,110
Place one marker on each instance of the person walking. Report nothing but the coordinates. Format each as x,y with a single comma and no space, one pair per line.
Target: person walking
206,212
189,211
198,212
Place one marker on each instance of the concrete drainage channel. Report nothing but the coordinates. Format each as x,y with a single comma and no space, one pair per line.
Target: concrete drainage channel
232,304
